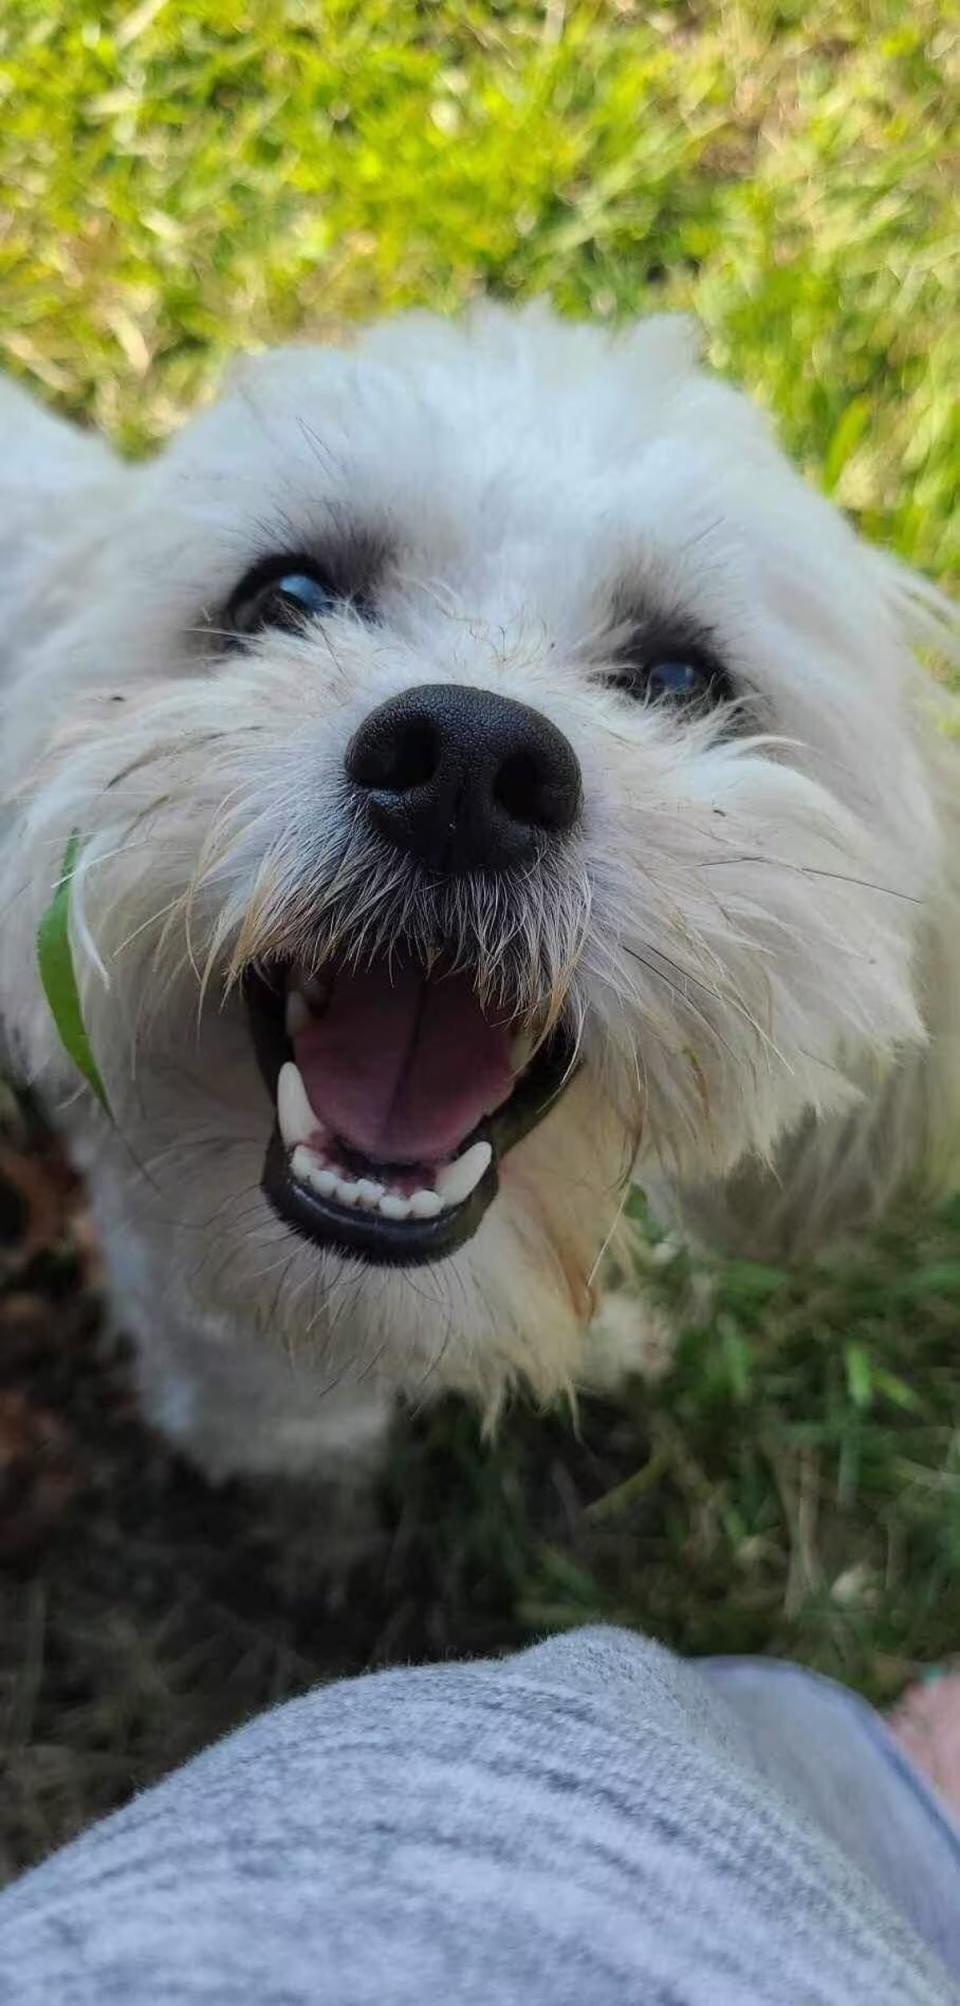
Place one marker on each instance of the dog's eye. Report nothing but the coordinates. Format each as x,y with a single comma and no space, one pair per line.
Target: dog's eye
677,680
284,598
685,680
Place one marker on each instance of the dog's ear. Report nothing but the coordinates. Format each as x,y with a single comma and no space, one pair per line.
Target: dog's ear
899,1147
60,488
927,620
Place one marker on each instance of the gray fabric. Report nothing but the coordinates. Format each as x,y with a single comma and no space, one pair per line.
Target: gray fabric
831,1754
583,1825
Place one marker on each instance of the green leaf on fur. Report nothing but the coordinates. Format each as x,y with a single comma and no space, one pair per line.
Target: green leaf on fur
58,975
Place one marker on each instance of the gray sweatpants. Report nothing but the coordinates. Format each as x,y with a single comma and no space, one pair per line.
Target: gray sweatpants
593,1823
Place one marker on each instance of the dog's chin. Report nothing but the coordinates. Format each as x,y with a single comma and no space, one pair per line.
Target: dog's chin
397,1096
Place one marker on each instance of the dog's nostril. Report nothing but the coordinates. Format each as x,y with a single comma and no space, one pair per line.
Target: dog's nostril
397,760
417,757
534,793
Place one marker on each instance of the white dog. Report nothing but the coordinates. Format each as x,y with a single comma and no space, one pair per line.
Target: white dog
496,776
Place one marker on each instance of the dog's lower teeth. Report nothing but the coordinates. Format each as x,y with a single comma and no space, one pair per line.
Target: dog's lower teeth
310,1169
394,1208
456,1181
425,1204
369,1192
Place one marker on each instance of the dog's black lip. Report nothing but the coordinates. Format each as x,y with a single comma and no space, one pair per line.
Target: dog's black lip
385,1243
395,1242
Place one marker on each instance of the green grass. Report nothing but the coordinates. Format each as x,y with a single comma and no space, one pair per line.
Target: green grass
793,1486
189,178
801,1485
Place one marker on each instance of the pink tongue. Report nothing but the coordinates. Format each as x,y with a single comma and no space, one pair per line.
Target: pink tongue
402,1067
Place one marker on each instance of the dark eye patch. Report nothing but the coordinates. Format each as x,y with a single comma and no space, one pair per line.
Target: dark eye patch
669,663
286,597
285,591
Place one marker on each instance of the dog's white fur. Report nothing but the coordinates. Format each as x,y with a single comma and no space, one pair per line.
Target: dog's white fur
756,934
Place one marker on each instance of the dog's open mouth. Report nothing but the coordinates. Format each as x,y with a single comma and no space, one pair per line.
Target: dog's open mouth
397,1095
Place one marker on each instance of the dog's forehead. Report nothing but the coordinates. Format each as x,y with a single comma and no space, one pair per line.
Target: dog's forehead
462,454
322,421
535,468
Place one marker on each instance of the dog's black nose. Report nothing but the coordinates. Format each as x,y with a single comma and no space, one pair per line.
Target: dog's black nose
464,779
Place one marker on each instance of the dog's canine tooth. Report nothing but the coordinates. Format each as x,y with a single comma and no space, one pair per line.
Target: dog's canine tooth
458,1179
394,1207
315,989
297,1013
521,1050
425,1204
294,1113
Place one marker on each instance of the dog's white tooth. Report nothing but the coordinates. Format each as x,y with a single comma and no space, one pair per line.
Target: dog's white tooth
298,1014
294,1113
456,1181
369,1191
309,1168
521,1051
393,1207
425,1204
347,1191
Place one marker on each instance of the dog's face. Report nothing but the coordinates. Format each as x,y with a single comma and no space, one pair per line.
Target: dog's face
493,772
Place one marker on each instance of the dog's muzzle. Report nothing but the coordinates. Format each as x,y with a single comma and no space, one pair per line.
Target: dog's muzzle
398,1091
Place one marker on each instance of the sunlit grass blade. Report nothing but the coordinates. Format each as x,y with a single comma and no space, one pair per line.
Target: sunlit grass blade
58,975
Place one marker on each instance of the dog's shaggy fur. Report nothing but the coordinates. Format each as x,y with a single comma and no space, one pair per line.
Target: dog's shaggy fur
753,932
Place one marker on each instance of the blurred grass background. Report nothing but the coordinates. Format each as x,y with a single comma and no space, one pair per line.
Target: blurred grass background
186,177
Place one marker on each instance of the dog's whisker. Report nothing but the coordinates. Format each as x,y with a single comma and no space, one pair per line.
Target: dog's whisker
608,1239
804,870
727,997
